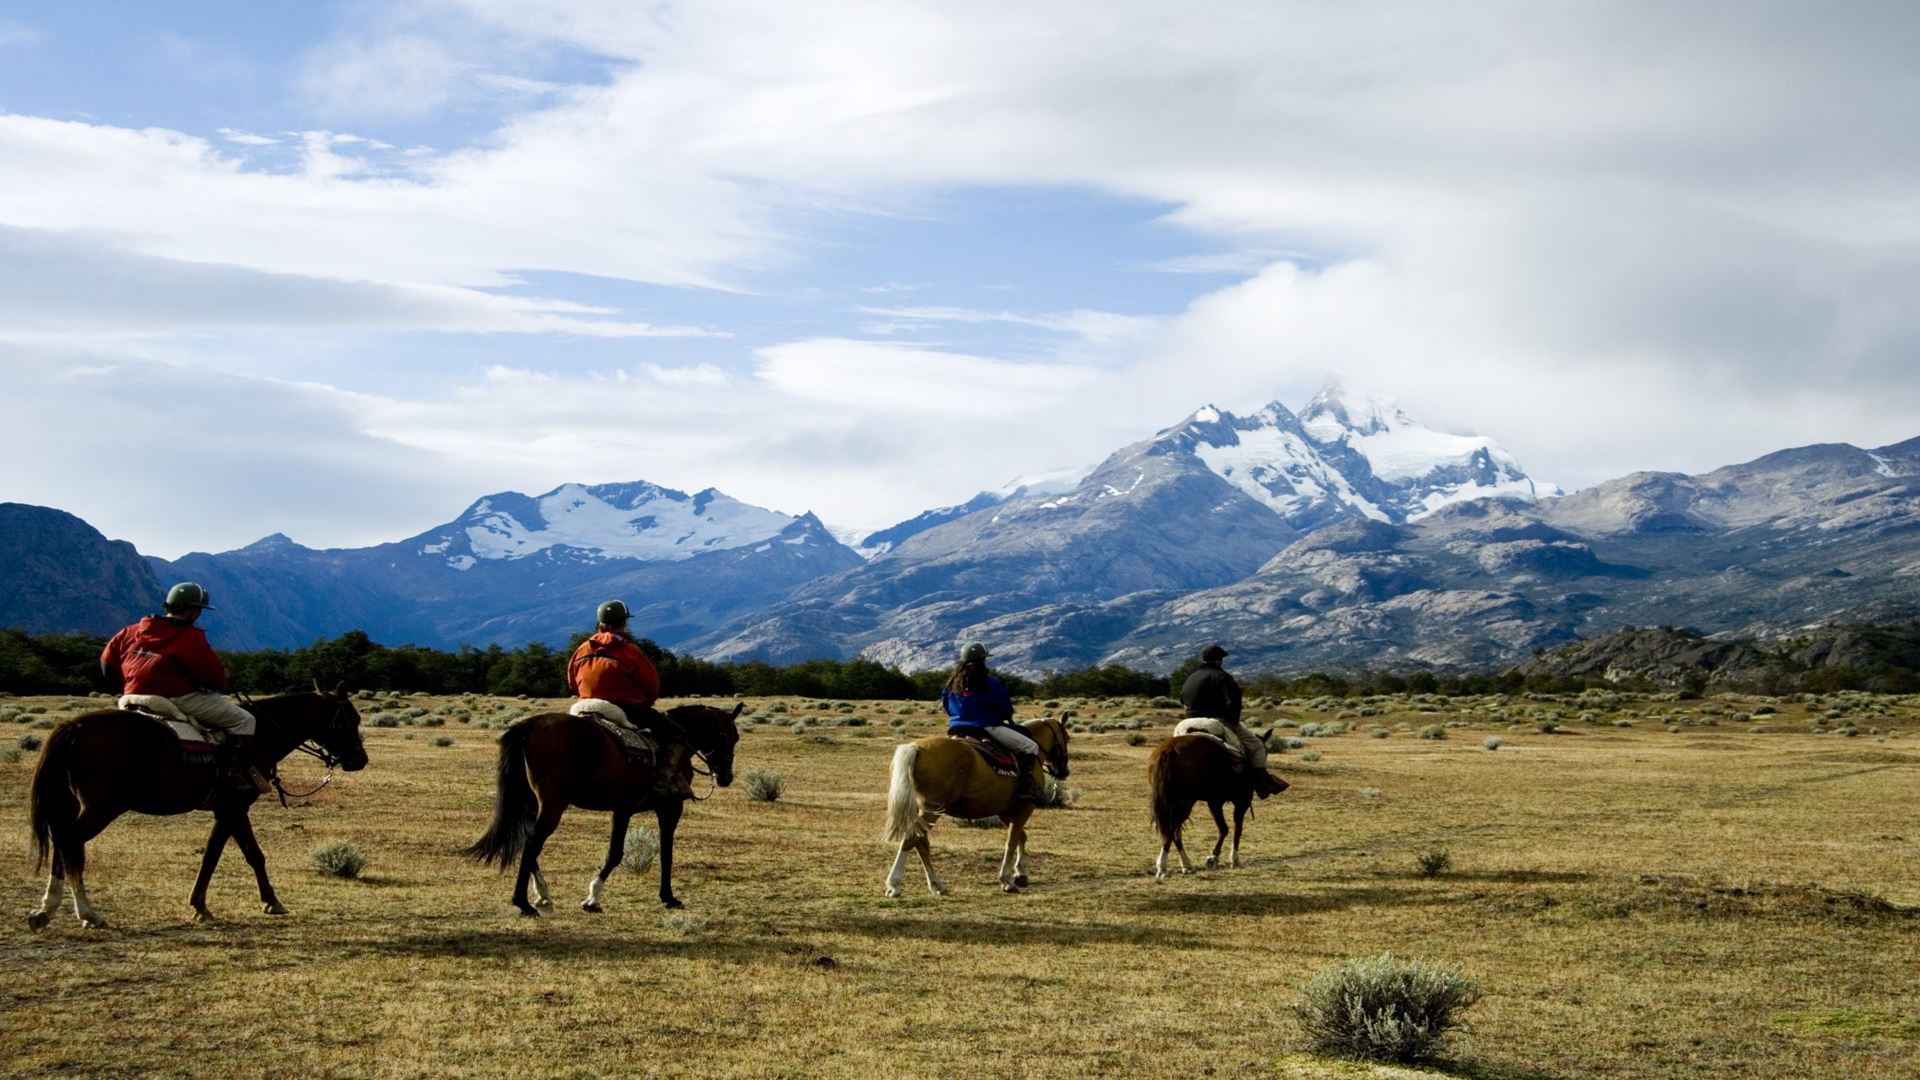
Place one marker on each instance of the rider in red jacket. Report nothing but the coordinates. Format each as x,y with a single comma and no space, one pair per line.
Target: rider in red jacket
611,667
168,656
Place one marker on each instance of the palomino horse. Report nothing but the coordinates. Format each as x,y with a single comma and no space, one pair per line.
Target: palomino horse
556,760
100,765
1192,768
941,775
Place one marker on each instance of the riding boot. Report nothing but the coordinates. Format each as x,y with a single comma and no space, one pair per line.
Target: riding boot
1024,789
241,773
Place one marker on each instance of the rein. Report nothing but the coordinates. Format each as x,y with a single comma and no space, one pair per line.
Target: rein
310,746
700,764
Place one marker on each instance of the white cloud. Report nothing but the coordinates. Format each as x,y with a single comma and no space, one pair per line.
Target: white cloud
889,378
17,34
247,138
1101,328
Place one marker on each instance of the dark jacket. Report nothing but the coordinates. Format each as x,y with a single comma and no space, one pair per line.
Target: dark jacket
985,707
1212,692
163,656
612,668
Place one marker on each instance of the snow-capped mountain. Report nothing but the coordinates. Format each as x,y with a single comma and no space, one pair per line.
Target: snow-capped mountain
1345,455
605,521
1055,482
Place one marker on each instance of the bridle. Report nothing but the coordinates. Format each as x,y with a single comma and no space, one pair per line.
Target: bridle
700,764
310,746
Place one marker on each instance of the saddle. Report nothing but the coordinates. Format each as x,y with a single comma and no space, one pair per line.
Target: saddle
194,739
1213,729
636,743
999,758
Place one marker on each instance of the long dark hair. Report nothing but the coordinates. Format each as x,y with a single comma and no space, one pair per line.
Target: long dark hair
968,676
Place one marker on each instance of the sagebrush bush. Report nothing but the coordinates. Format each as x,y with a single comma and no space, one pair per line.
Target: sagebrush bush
29,741
1310,756
799,727
1435,862
339,858
1494,742
1384,1009
763,785
641,847
1433,731
443,740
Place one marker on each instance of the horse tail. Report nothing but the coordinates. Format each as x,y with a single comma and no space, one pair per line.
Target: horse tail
903,803
514,806
1168,810
50,797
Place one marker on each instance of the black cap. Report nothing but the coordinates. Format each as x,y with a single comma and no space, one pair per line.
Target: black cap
1213,653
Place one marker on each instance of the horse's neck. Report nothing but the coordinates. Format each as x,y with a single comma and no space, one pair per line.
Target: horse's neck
281,726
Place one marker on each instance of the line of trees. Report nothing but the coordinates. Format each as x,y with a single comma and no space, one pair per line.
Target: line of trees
69,664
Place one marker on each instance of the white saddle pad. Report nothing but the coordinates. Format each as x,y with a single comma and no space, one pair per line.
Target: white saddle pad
1201,725
165,711
596,707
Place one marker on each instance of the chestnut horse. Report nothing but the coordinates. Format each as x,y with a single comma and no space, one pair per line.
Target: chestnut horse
1193,768
942,775
555,760
99,766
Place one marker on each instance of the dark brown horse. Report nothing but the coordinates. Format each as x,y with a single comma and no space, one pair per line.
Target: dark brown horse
942,775
555,760
101,765
1196,768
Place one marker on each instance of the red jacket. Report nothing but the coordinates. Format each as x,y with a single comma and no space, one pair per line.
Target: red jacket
158,655
612,668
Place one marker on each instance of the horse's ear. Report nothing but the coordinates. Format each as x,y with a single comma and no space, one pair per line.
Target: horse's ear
340,688
316,685
739,705
1265,735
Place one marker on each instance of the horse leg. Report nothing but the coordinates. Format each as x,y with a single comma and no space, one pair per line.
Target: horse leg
1180,845
1220,821
39,917
926,863
1020,855
543,827
256,858
1016,835
216,843
616,850
668,815
897,874
89,825
541,896
1239,821
1160,864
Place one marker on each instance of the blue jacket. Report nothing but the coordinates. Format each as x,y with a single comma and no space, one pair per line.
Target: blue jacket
984,708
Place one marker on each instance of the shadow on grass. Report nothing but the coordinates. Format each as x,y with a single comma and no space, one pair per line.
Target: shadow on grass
945,928
1183,902
617,942
1516,877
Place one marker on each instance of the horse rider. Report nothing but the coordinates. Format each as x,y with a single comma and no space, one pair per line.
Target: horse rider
978,703
168,656
611,667
1212,693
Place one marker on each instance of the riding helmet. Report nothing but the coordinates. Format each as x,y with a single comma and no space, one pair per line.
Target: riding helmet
1213,654
974,651
613,613
188,594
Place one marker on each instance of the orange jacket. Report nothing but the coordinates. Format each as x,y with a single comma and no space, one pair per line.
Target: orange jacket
611,667
163,656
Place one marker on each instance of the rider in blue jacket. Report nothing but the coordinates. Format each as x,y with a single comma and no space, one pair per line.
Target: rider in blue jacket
977,703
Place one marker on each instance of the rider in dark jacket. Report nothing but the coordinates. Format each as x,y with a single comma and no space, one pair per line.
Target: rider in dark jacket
1212,693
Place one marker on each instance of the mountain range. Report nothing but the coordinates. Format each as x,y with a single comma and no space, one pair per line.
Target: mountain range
1347,535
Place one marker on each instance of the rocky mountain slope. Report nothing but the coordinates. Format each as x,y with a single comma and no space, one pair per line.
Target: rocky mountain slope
59,575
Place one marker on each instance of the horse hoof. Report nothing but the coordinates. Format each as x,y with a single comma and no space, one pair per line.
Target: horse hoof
528,911
590,906
38,920
94,923
671,903
1009,887
274,908
892,890
545,903
202,915
1021,881
1212,863
939,890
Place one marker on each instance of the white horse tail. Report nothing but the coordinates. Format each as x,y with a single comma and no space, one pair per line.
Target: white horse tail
903,804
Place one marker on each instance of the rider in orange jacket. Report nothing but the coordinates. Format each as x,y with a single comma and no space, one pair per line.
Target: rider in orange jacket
611,667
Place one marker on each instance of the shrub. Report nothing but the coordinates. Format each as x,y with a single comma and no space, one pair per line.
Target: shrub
1383,1009
29,741
641,847
1134,738
339,858
682,923
1380,733
1434,863
1494,742
799,727
1370,792
443,740
384,721
1433,731
10,755
1310,756
762,785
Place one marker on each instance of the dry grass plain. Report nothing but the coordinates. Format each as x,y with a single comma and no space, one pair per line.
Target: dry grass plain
1681,897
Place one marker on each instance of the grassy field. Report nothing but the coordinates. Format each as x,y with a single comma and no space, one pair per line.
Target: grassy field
1722,887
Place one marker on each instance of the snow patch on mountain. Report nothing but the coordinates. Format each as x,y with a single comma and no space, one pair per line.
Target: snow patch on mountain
1278,467
611,521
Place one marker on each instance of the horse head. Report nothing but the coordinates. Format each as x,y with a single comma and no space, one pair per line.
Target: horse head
712,733
331,720
1051,734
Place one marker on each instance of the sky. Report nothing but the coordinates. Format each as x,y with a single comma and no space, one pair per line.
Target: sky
339,269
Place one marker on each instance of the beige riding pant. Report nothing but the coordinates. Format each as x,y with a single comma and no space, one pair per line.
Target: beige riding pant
215,711
1013,739
1250,743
